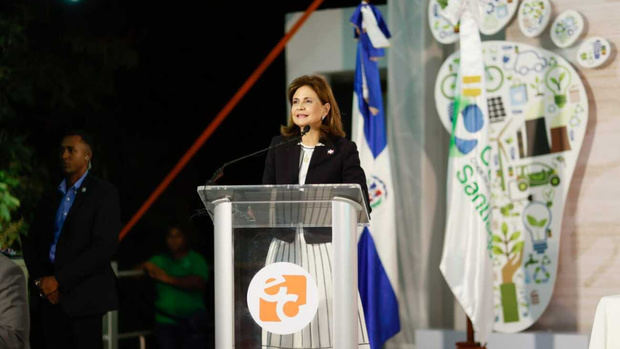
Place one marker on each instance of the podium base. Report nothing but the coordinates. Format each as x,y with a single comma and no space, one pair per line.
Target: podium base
469,345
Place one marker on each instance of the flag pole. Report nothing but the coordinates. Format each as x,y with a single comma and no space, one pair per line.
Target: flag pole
470,344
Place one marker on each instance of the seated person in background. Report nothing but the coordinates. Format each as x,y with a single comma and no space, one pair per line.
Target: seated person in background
181,276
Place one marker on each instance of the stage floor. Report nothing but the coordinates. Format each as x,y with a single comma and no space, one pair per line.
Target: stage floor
445,339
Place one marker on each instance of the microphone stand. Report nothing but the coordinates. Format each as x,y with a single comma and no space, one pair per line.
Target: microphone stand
220,171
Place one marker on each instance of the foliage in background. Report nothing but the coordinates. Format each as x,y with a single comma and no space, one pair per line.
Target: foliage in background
57,71
16,188
8,203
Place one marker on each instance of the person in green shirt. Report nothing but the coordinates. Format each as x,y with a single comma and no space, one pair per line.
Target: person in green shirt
181,277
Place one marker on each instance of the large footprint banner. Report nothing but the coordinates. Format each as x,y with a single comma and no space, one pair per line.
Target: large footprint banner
537,114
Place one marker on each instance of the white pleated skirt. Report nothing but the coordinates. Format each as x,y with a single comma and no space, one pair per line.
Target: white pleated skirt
316,259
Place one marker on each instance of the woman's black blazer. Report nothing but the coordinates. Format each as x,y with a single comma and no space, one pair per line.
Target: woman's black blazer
336,162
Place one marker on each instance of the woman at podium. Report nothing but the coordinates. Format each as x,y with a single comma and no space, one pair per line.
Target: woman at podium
322,156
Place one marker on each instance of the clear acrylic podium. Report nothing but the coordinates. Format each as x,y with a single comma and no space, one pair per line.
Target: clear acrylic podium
246,220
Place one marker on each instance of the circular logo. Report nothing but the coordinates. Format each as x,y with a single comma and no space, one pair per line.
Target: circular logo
467,126
377,190
282,298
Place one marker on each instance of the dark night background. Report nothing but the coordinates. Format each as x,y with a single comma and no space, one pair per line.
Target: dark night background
145,78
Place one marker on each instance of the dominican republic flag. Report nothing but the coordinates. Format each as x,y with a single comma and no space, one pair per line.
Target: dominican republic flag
465,261
377,263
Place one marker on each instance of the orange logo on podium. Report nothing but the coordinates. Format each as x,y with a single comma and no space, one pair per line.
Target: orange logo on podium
293,285
282,298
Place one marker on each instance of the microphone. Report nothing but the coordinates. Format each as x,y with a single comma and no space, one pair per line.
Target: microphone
220,171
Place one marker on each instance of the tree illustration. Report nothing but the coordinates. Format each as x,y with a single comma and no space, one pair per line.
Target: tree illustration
511,247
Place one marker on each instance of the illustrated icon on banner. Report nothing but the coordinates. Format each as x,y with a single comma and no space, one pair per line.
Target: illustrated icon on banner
533,17
593,52
442,29
496,14
567,28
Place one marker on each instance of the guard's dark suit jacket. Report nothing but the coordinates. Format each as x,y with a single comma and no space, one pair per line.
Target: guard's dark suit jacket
336,162
87,242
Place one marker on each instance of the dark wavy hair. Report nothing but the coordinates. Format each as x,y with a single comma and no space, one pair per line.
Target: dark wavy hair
332,124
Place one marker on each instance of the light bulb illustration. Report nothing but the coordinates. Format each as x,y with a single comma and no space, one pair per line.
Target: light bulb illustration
537,219
557,81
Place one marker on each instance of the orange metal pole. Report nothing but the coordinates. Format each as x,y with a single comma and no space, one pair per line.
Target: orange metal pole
221,116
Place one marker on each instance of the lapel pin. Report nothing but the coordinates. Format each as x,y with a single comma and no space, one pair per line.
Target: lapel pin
84,190
330,152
